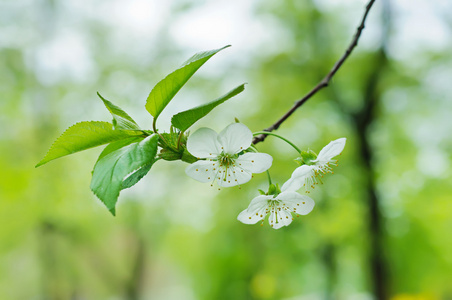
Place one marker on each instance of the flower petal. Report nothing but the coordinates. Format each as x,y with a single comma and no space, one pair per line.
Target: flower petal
272,219
284,218
255,211
203,143
233,176
202,170
299,204
235,138
331,150
298,178
254,162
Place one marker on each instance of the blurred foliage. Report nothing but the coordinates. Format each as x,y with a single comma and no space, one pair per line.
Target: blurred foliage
175,238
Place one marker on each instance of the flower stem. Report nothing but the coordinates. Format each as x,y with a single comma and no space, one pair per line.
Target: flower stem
153,125
278,136
155,130
269,178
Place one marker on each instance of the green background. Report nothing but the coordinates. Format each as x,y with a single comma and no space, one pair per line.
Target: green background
175,238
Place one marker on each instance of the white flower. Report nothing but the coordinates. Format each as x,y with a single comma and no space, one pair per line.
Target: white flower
279,207
224,157
308,175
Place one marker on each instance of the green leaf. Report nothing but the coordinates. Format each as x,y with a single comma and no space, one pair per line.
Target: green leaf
118,145
121,120
110,171
85,135
185,119
166,89
133,178
137,176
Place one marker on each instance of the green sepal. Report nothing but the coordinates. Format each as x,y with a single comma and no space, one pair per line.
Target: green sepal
187,157
166,89
273,189
112,168
121,120
171,154
261,192
171,150
306,157
186,119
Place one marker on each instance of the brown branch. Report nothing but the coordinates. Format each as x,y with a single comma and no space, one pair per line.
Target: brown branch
324,82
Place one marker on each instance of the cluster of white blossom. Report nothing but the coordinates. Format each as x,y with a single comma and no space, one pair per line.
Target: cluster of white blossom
229,159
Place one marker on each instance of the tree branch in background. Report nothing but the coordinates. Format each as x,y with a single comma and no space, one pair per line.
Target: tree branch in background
324,82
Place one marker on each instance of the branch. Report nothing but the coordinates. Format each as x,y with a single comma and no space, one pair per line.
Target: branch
324,82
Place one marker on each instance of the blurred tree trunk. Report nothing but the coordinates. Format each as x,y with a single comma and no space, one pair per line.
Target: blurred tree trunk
363,120
133,288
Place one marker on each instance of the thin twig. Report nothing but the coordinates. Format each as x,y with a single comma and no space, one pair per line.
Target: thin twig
324,82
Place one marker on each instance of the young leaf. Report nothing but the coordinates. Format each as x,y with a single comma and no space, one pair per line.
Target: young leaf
185,119
121,120
110,171
136,176
118,145
165,90
82,136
